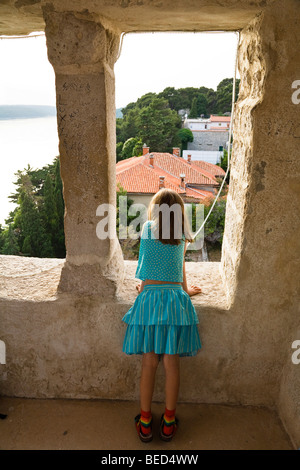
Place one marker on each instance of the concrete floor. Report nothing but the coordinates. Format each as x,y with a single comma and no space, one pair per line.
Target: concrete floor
108,425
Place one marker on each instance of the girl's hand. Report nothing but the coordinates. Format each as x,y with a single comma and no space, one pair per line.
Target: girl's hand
138,288
194,290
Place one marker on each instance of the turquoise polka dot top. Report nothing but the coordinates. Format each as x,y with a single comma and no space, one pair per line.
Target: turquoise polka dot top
158,261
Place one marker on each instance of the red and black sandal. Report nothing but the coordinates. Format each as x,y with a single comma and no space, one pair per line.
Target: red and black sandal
167,437
144,437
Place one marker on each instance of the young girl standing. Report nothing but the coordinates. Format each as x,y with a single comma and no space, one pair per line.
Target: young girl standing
162,321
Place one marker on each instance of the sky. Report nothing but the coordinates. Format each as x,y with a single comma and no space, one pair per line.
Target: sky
149,62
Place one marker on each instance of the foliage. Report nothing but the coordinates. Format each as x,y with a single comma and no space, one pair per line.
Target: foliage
158,126
214,227
138,149
122,192
119,151
224,163
127,150
224,94
201,104
185,135
36,227
194,110
8,242
151,115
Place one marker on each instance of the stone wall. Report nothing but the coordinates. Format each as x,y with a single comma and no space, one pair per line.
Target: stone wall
67,345
210,140
260,262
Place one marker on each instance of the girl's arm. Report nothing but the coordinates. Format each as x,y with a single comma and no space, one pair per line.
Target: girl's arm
193,290
184,283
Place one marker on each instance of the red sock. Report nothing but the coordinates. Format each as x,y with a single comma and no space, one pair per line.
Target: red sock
169,421
146,420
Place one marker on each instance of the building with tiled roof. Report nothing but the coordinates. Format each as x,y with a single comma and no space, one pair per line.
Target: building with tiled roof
143,176
210,135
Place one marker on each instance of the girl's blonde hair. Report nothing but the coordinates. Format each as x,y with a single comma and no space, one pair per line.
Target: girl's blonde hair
177,219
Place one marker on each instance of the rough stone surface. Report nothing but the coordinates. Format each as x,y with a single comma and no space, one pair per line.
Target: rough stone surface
24,16
260,263
82,53
208,140
88,425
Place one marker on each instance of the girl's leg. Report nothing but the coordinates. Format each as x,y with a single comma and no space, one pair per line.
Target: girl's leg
171,365
172,373
149,366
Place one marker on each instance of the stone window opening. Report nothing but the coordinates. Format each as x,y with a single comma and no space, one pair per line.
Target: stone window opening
98,260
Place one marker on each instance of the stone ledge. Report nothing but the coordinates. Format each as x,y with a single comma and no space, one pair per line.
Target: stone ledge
206,275
37,279
33,279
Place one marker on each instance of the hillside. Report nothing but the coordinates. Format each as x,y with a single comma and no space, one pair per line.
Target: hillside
19,111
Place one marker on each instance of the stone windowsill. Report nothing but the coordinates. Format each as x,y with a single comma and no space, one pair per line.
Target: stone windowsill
206,275
36,279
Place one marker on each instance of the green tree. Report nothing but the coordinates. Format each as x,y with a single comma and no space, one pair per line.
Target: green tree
224,164
138,149
122,192
224,94
145,100
128,147
130,247
120,130
158,125
201,104
128,108
119,148
194,109
58,193
1,238
185,135
9,241
172,96
38,219
214,227
49,207
59,238
129,125
33,238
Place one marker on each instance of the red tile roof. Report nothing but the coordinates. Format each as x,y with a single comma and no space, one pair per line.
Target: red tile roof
220,118
210,167
136,175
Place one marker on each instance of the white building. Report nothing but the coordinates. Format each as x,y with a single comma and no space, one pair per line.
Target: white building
211,136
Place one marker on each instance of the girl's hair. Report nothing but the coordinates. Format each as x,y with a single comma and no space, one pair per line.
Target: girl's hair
166,209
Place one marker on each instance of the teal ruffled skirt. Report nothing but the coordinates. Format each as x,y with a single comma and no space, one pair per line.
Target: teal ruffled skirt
162,319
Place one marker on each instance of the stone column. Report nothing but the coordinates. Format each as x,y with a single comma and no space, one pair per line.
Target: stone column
262,221
260,264
82,52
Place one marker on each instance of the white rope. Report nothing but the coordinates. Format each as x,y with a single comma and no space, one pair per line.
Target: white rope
229,143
